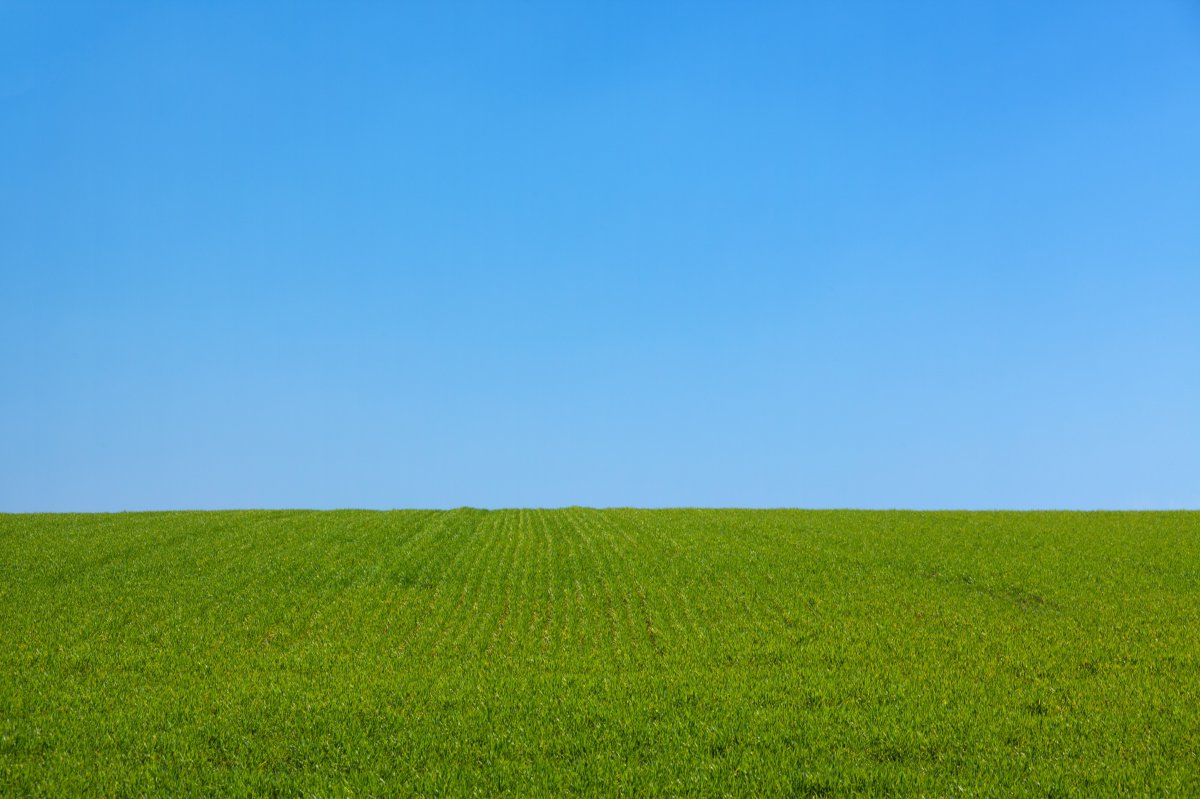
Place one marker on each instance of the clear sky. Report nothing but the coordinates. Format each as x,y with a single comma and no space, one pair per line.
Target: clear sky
425,255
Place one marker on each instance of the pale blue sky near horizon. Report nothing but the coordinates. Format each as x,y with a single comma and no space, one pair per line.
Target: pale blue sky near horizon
873,255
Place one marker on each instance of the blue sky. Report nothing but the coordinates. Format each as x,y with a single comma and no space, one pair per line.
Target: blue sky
756,254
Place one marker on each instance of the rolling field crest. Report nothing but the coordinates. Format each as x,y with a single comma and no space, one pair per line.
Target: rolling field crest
599,652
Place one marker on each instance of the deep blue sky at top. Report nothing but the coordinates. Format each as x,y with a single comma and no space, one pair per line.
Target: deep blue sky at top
764,254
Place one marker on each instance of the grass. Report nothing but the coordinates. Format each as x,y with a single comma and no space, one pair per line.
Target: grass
604,653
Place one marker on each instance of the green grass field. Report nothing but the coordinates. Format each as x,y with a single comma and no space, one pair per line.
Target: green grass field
606,653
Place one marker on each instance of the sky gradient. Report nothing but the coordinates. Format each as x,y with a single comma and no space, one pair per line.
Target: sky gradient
872,255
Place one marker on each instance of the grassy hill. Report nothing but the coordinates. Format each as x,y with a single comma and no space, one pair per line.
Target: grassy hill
614,652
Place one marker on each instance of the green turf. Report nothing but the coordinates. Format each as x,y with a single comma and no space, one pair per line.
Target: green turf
606,653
